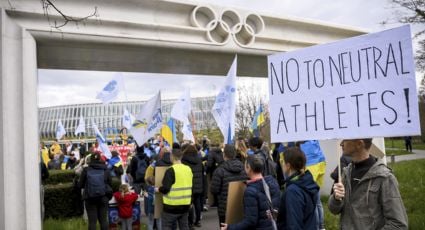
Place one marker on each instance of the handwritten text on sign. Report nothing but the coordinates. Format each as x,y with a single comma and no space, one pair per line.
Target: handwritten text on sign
359,87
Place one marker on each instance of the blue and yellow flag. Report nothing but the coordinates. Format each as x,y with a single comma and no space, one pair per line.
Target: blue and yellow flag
316,162
258,120
168,132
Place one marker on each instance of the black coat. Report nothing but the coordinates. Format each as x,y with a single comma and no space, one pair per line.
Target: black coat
83,178
231,170
195,163
215,158
133,166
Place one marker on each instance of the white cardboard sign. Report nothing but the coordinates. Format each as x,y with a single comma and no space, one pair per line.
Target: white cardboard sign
355,88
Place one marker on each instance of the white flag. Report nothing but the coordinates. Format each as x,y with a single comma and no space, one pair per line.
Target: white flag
225,105
97,132
111,90
102,141
182,107
149,121
187,131
81,128
127,119
60,130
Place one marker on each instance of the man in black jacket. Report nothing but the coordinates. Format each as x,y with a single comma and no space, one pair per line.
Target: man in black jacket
96,207
215,158
231,170
138,181
193,160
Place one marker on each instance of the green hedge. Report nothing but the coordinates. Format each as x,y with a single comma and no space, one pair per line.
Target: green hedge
60,176
62,200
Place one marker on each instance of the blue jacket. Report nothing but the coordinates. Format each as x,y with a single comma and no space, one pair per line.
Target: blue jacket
255,205
298,203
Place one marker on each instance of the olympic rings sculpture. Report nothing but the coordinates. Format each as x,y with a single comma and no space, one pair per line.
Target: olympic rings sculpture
229,24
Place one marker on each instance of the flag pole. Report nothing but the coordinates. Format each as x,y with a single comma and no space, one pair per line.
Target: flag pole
193,126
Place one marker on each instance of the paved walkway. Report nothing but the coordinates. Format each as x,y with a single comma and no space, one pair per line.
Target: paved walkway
209,220
417,154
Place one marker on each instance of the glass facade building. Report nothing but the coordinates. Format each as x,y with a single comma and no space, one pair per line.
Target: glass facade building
109,117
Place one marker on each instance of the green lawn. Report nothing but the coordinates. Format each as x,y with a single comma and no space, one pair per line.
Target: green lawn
399,144
410,176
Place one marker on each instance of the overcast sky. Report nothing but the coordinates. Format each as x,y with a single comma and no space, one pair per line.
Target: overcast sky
73,87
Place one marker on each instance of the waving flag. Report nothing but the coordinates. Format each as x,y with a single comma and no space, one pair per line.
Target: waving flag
316,163
149,121
60,130
102,141
168,131
111,90
182,107
257,121
81,128
127,119
225,106
187,131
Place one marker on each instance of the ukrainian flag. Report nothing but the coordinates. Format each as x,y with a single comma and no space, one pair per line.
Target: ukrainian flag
258,120
316,162
168,132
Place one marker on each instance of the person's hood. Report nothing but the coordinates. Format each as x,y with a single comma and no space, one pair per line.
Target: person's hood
97,164
379,169
305,182
233,166
192,160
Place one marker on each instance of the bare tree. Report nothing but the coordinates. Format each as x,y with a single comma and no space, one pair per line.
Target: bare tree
249,102
412,12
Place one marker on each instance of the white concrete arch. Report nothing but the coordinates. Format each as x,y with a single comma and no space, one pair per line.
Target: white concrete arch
163,36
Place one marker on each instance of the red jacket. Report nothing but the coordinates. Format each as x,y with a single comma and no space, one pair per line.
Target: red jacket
125,204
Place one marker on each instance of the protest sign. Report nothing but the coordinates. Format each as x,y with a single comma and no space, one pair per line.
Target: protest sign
234,208
159,175
359,87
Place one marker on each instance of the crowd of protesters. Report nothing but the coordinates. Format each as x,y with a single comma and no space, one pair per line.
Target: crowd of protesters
281,192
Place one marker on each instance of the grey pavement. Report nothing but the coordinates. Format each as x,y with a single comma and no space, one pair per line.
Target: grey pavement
417,154
209,220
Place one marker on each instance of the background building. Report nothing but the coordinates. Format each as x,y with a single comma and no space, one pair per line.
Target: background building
109,117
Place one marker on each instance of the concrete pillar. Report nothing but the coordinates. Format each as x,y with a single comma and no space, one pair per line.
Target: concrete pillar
19,157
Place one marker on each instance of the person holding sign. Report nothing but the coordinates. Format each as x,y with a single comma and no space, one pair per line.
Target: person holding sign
368,196
261,196
231,170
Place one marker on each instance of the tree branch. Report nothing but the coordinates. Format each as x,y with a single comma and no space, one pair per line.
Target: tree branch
49,4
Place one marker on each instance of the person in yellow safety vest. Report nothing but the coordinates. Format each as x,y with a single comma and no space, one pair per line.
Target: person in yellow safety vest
44,153
177,193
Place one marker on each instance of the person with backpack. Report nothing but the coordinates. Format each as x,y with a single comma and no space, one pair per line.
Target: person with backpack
260,199
125,199
138,165
96,181
256,144
298,203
